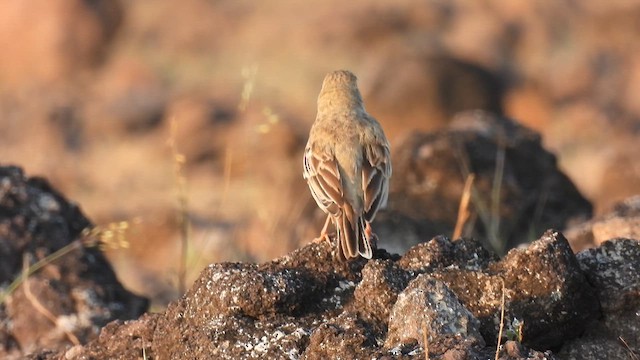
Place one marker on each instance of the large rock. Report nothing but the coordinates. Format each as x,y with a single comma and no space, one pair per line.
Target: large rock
427,310
614,270
519,191
58,39
70,298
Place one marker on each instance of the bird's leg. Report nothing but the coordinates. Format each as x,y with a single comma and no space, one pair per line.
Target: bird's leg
370,236
323,234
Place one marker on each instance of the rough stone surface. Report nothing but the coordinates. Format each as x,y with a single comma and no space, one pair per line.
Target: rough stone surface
613,270
427,305
312,307
440,253
544,282
79,292
382,281
544,288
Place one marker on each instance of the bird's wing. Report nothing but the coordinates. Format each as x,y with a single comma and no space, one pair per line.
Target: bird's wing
323,177
376,171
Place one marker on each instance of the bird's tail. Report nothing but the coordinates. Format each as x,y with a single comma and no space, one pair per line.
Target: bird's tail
353,240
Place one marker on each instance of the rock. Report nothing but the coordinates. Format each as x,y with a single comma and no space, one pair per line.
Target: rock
440,253
58,39
612,268
438,85
427,305
622,222
69,299
119,339
542,282
247,290
346,337
596,348
267,310
306,305
382,281
429,176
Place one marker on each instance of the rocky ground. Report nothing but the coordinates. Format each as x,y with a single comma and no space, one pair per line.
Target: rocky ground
442,298
147,113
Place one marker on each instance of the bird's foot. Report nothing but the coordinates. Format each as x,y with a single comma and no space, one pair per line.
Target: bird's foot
323,237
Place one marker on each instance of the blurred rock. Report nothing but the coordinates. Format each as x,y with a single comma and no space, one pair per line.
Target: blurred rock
621,173
128,98
404,89
67,300
567,69
622,222
429,176
58,40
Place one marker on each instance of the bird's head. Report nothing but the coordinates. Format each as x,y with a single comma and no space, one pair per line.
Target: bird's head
340,88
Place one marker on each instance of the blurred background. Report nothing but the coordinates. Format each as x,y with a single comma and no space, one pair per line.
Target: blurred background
141,111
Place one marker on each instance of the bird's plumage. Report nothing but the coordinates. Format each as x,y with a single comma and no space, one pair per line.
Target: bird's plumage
347,163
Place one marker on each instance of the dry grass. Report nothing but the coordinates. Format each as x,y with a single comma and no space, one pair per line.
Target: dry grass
632,354
38,305
425,340
463,209
488,210
501,321
110,236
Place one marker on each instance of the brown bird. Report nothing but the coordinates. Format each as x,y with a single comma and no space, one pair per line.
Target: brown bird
347,164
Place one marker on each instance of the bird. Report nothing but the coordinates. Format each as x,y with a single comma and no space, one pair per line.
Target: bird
347,165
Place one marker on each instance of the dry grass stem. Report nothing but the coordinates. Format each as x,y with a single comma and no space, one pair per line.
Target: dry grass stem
184,225
463,209
496,188
228,163
425,340
249,74
632,354
501,321
110,236
38,305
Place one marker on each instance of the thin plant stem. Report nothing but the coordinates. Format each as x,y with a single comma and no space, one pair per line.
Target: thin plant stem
496,187
463,209
76,244
501,321
183,206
